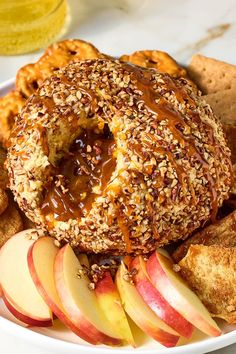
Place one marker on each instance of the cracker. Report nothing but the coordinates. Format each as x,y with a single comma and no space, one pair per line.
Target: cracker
28,79
156,59
10,106
10,223
222,233
211,75
62,53
223,104
210,272
3,201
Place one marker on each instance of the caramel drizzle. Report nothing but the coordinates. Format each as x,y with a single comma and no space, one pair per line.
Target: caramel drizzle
122,212
163,111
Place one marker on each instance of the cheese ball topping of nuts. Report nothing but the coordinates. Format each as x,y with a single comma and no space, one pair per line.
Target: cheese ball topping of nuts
117,159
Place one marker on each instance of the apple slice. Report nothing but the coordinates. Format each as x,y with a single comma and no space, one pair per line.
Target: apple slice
79,301
19,292
157,302
141,313
41,259
22,316
177,293
110,303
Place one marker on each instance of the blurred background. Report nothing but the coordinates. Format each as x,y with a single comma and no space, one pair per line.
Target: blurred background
180,27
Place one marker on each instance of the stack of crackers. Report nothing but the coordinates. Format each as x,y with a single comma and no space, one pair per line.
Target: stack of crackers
208,259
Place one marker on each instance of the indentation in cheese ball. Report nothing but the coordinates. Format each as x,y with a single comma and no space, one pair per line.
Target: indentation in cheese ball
117,159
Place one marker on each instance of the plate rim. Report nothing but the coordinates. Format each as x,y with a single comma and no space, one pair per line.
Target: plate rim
206,345
11,328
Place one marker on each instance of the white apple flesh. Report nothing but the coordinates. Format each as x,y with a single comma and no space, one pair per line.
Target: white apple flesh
110,303
157,302
41,259
22,316
79,301
178,294
19,291
141,314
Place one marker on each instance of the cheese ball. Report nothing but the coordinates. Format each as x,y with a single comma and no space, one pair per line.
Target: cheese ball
117,159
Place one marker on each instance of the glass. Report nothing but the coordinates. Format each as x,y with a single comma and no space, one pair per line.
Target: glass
27,25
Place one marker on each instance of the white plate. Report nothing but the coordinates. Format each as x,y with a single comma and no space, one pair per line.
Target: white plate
58,339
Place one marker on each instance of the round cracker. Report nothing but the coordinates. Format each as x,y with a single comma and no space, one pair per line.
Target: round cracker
10,106
28,79
156,59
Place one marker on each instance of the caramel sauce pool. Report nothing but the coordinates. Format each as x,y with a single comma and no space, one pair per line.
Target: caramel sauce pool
89,164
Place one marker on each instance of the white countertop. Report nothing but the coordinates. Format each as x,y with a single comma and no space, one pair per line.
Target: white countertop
180,27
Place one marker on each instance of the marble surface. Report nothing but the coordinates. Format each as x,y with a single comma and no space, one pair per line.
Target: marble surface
180,27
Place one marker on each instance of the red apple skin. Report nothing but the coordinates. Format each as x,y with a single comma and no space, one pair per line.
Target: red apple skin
166,339
160,279
73,311
105,284
107,287
16,312
61,314
157,302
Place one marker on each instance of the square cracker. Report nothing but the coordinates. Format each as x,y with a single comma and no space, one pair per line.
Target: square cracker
224,104
211,75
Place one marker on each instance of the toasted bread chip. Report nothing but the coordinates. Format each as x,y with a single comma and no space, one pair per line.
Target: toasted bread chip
10,223
3,171
211,75
210,272
157,59
10,106
30,77
222,233
3,201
